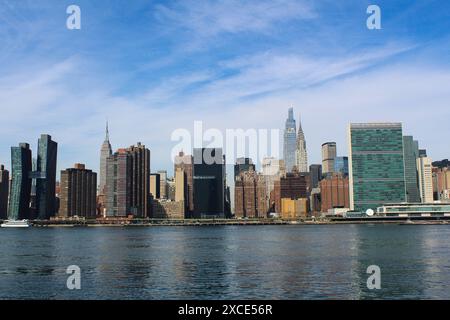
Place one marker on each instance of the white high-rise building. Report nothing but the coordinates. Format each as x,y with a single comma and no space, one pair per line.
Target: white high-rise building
424,170
301,155
105,152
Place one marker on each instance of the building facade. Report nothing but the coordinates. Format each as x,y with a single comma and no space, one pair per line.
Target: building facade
292,186
140,180
424,171
155,185
294,209
315,171
19,200
334,192
290,141
301,154
341,165
163,187
118,184
105,152
180,185
209,183
411,154
441,183
78,192
376,165
46,177
329,153
4,192
186,163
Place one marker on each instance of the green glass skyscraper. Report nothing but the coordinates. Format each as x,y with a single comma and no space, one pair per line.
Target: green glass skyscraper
19,200
376,165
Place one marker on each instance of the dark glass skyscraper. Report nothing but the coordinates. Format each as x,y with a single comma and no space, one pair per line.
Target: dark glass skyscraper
411,154
315,171
19,200
209,183
4,191
290,141
46,177
376,166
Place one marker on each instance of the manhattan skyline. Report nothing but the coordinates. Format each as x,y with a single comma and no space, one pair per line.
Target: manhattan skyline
153,67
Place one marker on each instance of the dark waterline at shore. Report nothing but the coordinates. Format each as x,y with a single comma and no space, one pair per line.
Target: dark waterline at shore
227,262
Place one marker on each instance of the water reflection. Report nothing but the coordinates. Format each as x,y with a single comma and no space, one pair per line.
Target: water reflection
229,262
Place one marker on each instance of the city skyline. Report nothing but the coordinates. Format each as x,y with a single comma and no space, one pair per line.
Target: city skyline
391,74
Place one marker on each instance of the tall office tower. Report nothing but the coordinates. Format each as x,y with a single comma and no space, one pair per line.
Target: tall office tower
315,171
118,184
341,165
163,187
376,167
186,163
242,165
46,182
155,185
328,156
105,152
334,192
180,185
140,180
4,192
411,154
289,150
19,199
425,179
293,186
209,183
301,155
78,192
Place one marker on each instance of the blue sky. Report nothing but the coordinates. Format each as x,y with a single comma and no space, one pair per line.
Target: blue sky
151,67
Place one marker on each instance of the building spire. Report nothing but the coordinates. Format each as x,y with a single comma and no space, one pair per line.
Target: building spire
107,131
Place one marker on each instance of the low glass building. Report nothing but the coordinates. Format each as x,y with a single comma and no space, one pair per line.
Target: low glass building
415,210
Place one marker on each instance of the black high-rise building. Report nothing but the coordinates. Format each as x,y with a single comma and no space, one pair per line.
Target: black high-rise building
140,180
4,191
19,200
315,171
46,177
209,183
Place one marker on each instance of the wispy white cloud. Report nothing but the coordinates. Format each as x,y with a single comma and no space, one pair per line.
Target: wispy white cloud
210,18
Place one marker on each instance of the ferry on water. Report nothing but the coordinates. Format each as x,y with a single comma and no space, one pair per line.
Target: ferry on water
15,224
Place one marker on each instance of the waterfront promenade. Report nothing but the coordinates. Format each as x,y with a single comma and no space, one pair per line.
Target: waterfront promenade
133,222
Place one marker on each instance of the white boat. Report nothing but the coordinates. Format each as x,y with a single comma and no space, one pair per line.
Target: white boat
15,224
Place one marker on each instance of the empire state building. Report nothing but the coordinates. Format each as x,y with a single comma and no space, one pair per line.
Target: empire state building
106,151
